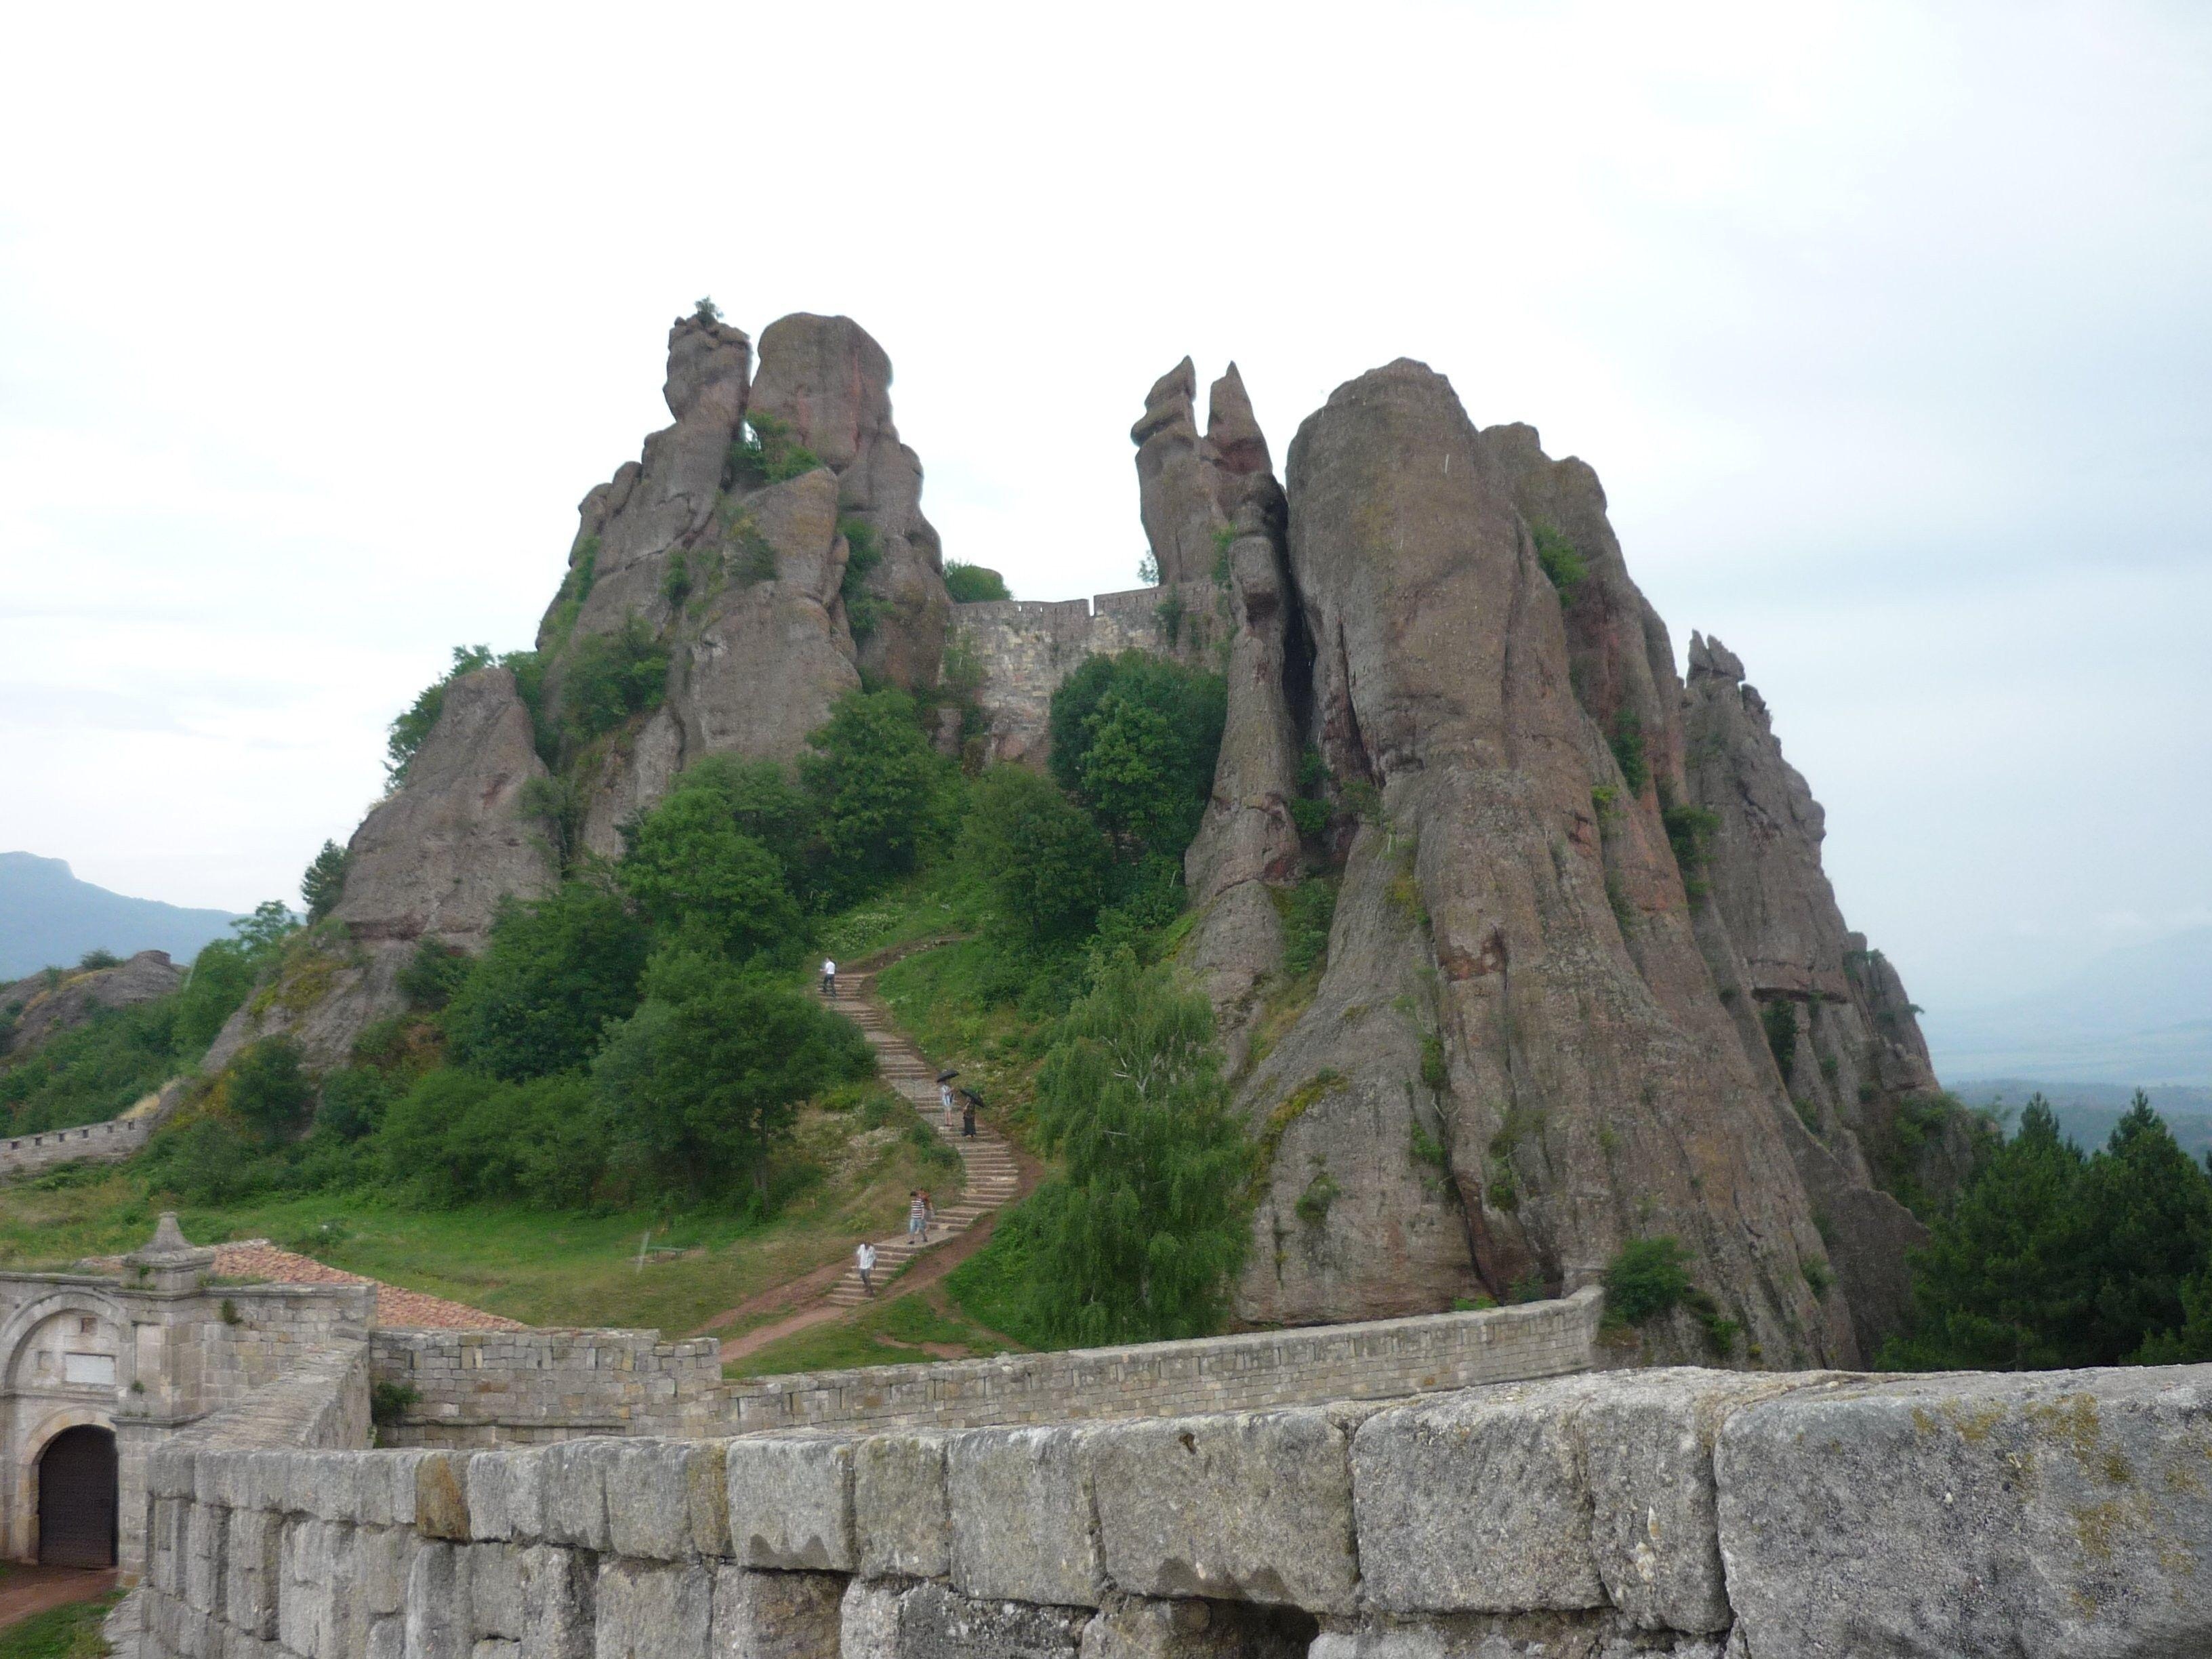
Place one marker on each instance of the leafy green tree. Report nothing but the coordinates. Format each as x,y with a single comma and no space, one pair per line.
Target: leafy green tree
433,974
1040,853
223,974
974,584
872,781
92,1073
552,975
2002,1284
1141,1235
458,1137
1135,739
415,724
761,799
692,871
2147,1209
324,882
703,1082
268,1090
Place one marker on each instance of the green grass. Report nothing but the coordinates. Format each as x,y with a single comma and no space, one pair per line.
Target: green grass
918,1328
850,1171
71,1633
938,901
965,1007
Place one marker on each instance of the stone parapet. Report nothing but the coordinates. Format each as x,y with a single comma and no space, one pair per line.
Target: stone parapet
1691,1513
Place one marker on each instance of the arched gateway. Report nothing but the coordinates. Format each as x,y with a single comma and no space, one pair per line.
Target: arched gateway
77,1498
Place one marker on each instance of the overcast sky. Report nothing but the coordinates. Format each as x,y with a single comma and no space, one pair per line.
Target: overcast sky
1887,327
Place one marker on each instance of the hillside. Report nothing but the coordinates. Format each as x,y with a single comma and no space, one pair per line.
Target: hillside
2129,1017
50,919
1513,939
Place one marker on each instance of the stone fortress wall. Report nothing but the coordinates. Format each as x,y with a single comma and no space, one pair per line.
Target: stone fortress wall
1026,647
480,1389
1692,1513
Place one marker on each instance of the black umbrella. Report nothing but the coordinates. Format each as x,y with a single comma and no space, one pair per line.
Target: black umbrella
947,1076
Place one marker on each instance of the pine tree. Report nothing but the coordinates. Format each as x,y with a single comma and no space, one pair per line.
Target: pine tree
324,884
2147,1206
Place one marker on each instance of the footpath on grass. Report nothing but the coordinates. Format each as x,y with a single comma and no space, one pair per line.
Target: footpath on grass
993,1176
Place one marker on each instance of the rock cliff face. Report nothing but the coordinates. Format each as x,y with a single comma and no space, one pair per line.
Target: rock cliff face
33,1011
1534,1036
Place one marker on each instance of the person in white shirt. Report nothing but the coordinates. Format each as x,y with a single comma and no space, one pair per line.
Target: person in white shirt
865,1257
829,977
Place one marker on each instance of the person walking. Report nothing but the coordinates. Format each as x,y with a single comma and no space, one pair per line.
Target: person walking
968,1116
917,1214
828,978
945,1095
928,1213
865,1259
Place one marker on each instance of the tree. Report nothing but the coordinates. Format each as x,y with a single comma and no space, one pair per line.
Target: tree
870,776
1040,853
691,871
1141,1236
2148,1213
223,973
415,723
2002,1285
704,1080
324,882
761,800
1135,739
268,1090
552,975
610,677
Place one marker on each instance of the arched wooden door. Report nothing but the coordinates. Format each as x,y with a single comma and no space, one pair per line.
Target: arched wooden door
76,1499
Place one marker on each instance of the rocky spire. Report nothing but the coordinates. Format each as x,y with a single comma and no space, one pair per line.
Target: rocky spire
1176,482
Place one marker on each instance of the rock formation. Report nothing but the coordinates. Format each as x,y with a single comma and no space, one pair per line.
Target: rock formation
40,1008
1534,1036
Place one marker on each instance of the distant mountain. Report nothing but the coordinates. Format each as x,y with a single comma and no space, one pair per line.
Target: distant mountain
2087,1111
48,917
2134,1016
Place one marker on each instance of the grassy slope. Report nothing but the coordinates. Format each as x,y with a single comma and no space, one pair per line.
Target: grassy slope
538,1266
71,1633
924,1326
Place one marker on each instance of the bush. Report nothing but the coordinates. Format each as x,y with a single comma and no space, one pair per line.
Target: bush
1307,910
610,677
974,584
767,452
1627,742
1562,563
415,724
552,975
456,1137
433,974
1039,853
223,974
1690,832
1648,1278
92,961
323,883
268,1091
355,1099
1777,1018
93,1072
705,1078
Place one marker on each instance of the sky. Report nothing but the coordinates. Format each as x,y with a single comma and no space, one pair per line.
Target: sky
1888,327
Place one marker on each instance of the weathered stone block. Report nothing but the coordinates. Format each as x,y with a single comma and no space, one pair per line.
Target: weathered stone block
575,1493
1475,1502
381,1557
653,1612
899,1516
791,1503
506,1494
204,1539
253,1570
557,1587
775,1615
1589,1635
1254,1507
436,1626
316,1615
387,1639
883,1620
667,1499
1132,1627
491,1579
1021,1517
2063,1513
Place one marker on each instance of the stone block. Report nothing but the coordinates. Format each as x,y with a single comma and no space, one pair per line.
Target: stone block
791,1503
1476,1501
168,1521
2059,1513
253,1570
558,1586
441,1495
387,1639
1020,1500
1600,1635
931,1621
575,1493
316,1616
170,1472
388,1488
507,1492
667,1499
1133,1627
775,1615
649,1611
491,1577
1249,1507
204,1531
435,1625
382,1557
900,1520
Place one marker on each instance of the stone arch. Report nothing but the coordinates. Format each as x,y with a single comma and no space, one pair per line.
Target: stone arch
33,1316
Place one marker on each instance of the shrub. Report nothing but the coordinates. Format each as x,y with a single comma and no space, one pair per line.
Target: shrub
1646,1279
433,974
676,580
575,587
415,724
1777,1018
1136,739
268,1090
355,1098
323,883
92,1073
974,584
223,974
1040,853
552,974
610,677
690,869
1307,910
706,310
92,960
870,776
767,452
1690,833
457,1136
1627,742
1560,561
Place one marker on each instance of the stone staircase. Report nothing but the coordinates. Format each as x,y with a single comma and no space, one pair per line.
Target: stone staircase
991,1176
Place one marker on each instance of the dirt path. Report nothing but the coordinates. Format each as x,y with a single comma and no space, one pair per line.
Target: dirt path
995,1173
26,1591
